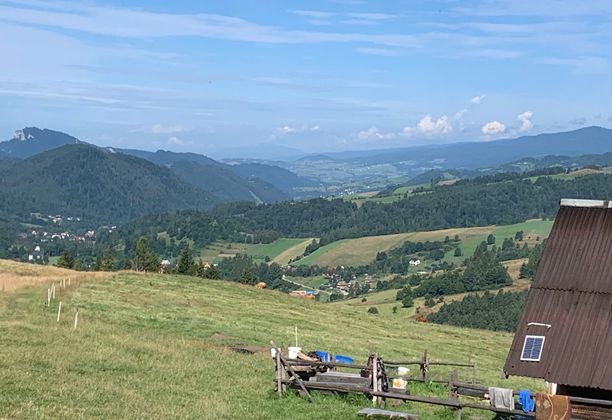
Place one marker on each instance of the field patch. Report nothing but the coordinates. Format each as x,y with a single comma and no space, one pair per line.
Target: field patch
358,251
361,251
280,251
14,275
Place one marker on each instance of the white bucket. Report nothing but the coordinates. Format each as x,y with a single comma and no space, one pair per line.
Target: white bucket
402,371
273,352
293,352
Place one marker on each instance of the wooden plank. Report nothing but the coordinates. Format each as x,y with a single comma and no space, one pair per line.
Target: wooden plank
295,375
340,379
470,392
322,386
414,398
377,412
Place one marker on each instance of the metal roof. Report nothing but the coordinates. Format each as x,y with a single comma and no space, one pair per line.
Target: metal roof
570,301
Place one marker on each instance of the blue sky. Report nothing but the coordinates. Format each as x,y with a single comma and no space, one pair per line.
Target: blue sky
317,76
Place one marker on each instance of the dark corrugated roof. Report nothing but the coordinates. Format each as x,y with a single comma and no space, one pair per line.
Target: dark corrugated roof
572,292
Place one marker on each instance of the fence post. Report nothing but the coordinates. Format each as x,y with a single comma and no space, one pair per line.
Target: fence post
76,319
452,393
279,377
59,311
375,377
425,367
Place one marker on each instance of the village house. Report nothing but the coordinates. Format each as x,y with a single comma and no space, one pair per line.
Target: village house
37,256
564,335
414,263
342,286
164,266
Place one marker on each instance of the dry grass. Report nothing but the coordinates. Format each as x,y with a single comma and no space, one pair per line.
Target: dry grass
15,275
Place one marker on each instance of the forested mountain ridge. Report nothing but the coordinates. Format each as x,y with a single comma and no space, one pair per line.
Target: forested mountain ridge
467,204
226,181
32,140
241,182
88,182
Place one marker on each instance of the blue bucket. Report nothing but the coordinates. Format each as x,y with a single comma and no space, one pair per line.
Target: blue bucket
344,359
323,355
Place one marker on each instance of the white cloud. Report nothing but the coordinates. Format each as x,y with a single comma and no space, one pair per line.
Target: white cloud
168,129
525,119
477,100
132,23
176,141
461,113
493,128
374,133
162,129
283,131
383,52
286,129
430,127
316,14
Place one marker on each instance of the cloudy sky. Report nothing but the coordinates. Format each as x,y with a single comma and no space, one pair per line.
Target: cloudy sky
315,75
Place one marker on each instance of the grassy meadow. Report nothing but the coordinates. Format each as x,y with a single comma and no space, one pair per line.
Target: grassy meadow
363,250
153,346
279,251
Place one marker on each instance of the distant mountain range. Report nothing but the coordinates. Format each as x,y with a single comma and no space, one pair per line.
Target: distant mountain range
588,140
43,170
242,182
522,165
374,169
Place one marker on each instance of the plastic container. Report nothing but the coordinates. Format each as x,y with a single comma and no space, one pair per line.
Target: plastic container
399,383
344,359
323,355
402,371
294,351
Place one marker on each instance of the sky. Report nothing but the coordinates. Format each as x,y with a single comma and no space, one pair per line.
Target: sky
319,75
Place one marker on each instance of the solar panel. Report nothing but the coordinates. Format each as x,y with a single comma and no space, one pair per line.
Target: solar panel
532,348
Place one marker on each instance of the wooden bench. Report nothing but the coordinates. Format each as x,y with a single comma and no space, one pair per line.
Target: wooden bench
377,412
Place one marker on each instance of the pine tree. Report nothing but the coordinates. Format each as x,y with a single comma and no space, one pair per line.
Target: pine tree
212,273
145,260
107,261
185,264
66,260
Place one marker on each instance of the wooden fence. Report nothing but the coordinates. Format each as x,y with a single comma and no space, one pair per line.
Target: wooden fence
299,375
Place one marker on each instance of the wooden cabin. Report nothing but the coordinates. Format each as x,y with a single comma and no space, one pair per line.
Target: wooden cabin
564,334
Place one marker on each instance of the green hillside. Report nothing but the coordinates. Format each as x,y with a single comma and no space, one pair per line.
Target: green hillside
91,183
360,251
280,250
151,346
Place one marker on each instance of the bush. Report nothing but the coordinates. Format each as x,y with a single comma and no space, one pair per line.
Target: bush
373,310
364,299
